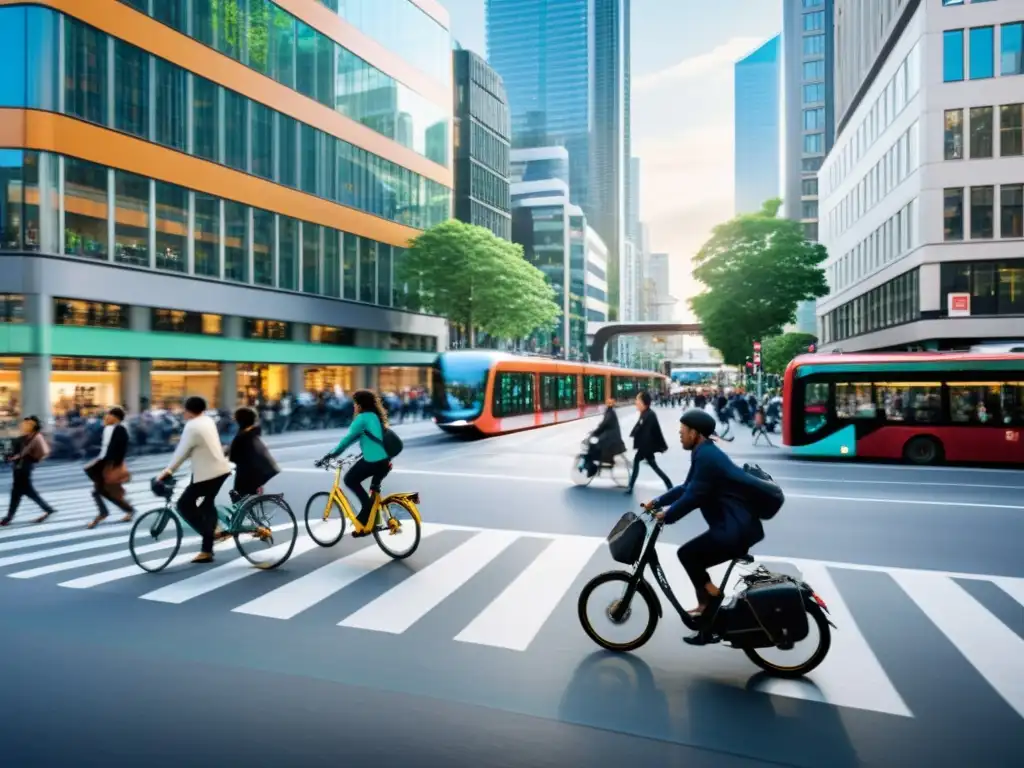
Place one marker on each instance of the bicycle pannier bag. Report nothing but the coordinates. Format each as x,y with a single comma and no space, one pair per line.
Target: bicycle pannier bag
779,608
626,541
764,494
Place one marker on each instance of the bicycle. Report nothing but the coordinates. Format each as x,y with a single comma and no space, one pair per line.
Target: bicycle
319,523
246,516
619,464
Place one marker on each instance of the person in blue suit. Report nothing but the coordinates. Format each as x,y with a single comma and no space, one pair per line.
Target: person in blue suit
720,489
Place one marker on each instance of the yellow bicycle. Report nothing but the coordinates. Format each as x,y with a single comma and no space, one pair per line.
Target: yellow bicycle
326,512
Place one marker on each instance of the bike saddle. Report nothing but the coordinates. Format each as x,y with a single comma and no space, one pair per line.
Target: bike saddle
745,559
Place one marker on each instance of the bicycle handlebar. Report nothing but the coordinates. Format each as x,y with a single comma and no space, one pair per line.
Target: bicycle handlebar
335,463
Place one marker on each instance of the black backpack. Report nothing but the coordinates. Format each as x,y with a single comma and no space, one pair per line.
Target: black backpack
764,494
392,443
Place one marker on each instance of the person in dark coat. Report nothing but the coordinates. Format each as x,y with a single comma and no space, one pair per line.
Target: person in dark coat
109,472
647,441
720,489
29,450
606,441
254,466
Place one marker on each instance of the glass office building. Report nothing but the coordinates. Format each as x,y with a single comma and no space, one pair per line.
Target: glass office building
216,194
757,117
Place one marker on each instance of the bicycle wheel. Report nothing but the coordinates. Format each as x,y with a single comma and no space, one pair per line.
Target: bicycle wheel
156,530
578,474
398,528
621,469
325,522
269,524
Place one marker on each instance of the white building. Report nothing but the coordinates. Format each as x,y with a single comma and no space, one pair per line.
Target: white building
597,276
922,208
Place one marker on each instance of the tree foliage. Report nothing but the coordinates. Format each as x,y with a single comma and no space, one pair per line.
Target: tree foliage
777,351
756,269
478,281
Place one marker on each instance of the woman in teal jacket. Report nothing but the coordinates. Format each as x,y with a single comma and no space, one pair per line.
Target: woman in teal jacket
368,428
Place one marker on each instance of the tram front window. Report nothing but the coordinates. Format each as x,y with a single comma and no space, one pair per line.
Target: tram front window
459,388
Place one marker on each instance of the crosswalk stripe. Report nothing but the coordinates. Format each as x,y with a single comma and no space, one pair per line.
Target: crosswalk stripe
517,615
85,562
402,606
57,551
992,648
851,675
25,542
1013,587
188,544
222,575
303,593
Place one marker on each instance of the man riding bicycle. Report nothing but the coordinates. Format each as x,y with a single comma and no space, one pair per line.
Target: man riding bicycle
718,488
605,441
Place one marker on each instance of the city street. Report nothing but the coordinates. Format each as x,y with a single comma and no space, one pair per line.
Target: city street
471,653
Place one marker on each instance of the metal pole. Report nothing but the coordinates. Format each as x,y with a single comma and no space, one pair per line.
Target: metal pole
760,389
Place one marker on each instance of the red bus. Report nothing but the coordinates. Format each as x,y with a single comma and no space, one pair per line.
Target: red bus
923,408
492,393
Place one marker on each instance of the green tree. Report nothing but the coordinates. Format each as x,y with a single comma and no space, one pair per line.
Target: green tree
478,281
777,351
755,268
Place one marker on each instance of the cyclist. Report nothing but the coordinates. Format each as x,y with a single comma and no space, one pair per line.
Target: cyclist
605,441
716,486
254,466
200,443
368,428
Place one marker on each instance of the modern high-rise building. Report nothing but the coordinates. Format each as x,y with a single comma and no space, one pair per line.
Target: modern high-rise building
565,65
757,133
808,46
633,202
922,202
482,145
210,197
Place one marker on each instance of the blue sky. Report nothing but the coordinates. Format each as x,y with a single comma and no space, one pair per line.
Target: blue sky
683,56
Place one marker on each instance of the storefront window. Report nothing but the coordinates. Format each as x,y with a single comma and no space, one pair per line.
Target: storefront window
10,391
267,329
396,379
178,321
260,384
12,308
323,334
84,386
172,381
330,378
131,228
89,314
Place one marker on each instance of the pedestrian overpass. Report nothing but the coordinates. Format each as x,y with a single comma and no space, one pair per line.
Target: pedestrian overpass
603,333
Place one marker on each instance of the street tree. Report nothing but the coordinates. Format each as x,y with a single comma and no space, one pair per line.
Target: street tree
777,351
756,269
478,281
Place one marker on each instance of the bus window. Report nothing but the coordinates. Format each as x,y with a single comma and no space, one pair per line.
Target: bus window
548,393
1012,404
566,392
815,407
919,402
593,390
513,394
853,401
975,403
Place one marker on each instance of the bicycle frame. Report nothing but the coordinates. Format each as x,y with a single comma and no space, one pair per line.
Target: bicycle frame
232,516
407,500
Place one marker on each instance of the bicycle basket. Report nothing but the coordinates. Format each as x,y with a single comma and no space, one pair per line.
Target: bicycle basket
626,541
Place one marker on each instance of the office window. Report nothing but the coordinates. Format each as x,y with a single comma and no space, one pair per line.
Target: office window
349,266
262,122
1011,206
85,59
305,60
172,13
85,209
131,219
981,132
236,131
205,117
171,227
1011,119
814,70
1011,49
131,91
332,263
262,247
288,151
811,164
384,274
310,258
236,252
953,215
953,55
814,92
814,45
982,214
814,21
171,105
325,70
954,136
814,119
806,4
256,53
308,149
367,270
282,44
809,187
287,253
814,143
982,52
206,240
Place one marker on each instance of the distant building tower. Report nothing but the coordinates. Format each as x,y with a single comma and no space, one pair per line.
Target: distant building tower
483,141
757,127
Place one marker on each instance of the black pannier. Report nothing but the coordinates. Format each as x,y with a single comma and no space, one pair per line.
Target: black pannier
764,494
626,541
778,607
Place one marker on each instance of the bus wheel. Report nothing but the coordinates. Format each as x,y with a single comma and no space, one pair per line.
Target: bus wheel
923,450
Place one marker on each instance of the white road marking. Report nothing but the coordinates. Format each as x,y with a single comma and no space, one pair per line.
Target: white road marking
1013,587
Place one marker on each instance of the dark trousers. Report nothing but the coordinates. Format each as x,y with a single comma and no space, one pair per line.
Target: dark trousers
653,464
362,469
202,515
22,488
100,491
704,552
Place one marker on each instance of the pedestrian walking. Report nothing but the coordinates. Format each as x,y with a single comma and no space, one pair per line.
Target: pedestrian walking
647,441
109,472
29,450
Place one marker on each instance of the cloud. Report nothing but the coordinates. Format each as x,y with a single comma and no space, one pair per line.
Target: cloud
726,54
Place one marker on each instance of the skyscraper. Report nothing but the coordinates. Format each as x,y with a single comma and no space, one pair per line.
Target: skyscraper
756,93
565,64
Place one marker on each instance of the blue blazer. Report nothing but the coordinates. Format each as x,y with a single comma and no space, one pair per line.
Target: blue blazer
719,488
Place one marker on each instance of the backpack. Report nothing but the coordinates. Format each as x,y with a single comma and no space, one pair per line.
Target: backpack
391,443
765,496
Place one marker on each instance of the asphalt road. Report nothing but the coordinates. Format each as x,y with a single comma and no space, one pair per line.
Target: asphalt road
470,652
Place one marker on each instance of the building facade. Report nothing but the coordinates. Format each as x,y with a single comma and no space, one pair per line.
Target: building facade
922,201
482,145
597,277
214,198
757,116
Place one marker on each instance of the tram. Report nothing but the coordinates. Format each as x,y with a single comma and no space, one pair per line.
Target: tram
492,393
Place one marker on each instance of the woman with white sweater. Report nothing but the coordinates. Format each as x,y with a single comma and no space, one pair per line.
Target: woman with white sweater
200,444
